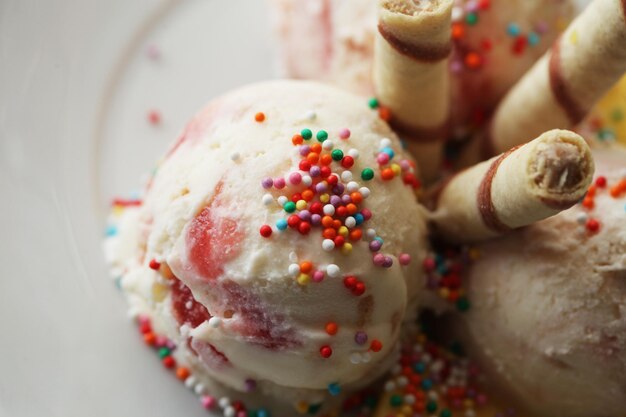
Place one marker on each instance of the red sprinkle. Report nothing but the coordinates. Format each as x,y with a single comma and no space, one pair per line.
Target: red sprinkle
154,117
169,362
266,231
593,225
347,161
376,345
304,228
154,264
601,182
326,351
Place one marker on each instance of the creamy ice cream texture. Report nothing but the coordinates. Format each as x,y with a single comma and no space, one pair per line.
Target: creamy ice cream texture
279,240
548,320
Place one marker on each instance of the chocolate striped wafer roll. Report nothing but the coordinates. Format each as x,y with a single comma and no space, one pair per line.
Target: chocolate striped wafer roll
564,84
521,186
411,74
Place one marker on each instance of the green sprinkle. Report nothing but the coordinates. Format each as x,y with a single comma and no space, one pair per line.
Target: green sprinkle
617,115
395,400
463,304
445,413
373,103
290,206
471,18
431,407
314,408
164,352
306,134
367,174
322,135
371,401
606,134
337,155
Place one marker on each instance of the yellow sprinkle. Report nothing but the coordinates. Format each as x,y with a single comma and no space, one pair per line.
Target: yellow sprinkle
346,248
118,210
324,198
396,169
302,407
406,410
159,291
166,271
468,403
573,37
304,279
561,24
343,231
444,292
301,205
474,254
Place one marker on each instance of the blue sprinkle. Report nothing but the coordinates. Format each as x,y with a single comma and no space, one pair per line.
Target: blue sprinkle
359,218
403,144
334,389
262,412
110,230
380,239
419,367
281,224
513,29
439,259
533,39
118,283
389,152
442,269
427,384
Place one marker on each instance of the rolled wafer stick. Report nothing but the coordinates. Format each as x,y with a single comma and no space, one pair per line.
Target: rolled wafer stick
567,81
411,74
523,185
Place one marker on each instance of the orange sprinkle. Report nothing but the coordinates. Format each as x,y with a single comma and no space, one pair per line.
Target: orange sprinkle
326,159
331,328
327,221
259,117
591,192
306,267
307,195
149,338
387,174
458,31
316,147
352,208
313,157
384,113
337,224
356,197
182,373
297,139
473,60
588,203
618,189
356,234
329,233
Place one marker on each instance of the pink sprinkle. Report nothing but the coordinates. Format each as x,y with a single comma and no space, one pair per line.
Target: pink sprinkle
170,344
379,259
279,183
208,402
160,341
318,276
242,413
153,52
405,165
143,320
382,158
429,264
456,66
154,117
295,178
344,133
367,214
481,399
404,259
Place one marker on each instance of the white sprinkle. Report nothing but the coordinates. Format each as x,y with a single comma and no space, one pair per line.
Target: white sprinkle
350,222
390,386
409,399
235,156
199,389
352,186
215,322
581,218
370,233
333,270
223,402
426,358
293,257
328,245
294,270
268,199
354,153
282,200
433,395
365,192
328,144
385,143
457,13
310,115
346,176
229,411
307,180
188,305
366,357
190,382
396,370
355,358
402,381
329,209
153,52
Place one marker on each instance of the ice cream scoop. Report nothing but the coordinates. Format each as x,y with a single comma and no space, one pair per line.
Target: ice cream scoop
278,243
548,316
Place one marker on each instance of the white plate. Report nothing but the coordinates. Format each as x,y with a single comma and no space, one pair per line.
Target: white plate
76,85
